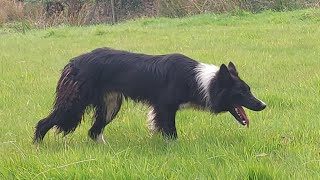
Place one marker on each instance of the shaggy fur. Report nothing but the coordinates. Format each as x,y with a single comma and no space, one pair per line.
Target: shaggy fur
103,77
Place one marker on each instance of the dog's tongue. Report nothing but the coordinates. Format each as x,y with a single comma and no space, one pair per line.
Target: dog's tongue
243,114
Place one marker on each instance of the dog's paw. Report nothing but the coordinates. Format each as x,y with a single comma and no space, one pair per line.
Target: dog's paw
100,139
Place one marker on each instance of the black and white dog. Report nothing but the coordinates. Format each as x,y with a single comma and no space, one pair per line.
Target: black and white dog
103,77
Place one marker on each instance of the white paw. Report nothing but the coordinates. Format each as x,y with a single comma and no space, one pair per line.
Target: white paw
100,139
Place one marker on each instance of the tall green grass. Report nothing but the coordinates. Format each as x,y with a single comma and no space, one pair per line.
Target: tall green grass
277,54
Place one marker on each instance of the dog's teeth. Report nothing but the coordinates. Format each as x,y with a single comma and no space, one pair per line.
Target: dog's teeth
244,122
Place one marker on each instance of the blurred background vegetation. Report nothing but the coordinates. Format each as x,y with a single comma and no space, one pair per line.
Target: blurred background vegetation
25,14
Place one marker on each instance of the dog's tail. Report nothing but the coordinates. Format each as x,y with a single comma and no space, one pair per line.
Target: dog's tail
68,106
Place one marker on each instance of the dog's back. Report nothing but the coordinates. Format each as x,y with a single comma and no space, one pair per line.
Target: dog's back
138,76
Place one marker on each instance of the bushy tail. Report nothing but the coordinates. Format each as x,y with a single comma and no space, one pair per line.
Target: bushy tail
68,107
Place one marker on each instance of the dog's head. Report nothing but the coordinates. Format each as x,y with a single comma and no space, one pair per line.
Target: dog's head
230,93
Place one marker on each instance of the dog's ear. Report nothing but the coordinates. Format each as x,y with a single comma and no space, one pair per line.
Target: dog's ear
232,69
224,75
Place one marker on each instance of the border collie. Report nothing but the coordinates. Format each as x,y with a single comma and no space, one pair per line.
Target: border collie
103,77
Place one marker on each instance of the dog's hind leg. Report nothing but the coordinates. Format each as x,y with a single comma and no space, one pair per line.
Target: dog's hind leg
106,110
68,108
66,121
43,127
153,123
162,119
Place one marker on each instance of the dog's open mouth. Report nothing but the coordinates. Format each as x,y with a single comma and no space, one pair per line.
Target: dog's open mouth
240,115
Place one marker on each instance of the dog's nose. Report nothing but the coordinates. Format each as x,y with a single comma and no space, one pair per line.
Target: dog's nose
263,105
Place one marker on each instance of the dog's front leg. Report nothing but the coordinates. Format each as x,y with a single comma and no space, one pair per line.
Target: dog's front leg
164,120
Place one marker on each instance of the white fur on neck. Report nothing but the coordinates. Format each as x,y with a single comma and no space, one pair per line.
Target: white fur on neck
204,74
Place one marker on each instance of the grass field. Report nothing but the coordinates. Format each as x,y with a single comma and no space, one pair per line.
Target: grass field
277,54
